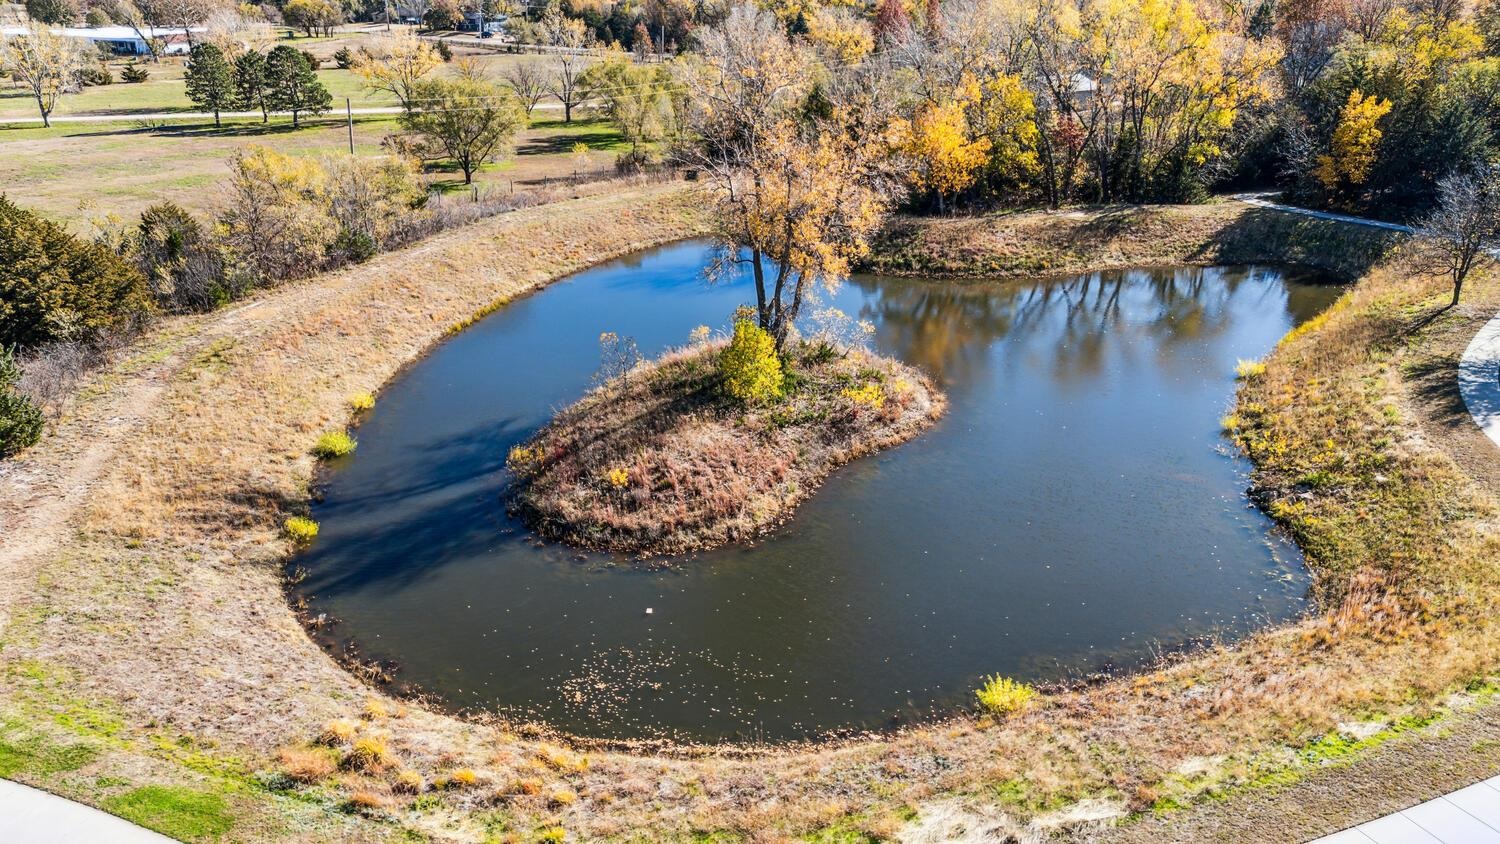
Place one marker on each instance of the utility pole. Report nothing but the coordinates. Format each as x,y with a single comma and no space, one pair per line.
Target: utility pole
349,113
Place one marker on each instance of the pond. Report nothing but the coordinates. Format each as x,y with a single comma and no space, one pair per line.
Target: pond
1076,511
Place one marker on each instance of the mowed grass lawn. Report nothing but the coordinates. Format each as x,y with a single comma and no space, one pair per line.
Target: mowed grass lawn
79,172
165,91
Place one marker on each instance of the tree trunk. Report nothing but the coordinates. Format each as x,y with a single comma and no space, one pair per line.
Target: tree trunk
217,124
42,107
567,112
1458,286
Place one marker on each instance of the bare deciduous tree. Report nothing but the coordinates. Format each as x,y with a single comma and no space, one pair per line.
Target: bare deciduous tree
529,82
569,81
1466,220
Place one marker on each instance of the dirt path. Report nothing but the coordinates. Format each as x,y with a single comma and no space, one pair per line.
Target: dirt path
40,491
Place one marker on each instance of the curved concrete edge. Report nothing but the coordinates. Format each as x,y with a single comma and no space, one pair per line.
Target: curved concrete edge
1479,379
32,816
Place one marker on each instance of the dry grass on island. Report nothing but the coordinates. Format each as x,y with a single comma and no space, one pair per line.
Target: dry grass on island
666,459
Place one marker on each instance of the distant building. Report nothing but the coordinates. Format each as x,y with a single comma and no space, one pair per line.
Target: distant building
473,21
122,40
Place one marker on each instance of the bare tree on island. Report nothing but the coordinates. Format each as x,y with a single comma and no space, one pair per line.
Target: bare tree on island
1466,221
802,172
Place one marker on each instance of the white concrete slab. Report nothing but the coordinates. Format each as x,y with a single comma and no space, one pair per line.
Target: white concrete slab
1397,829
32,816
1447,822
1479,379
1467,816
1348,836
1481,801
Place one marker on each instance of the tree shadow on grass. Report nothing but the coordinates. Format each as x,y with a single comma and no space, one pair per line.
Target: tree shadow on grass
1345,251
1434,381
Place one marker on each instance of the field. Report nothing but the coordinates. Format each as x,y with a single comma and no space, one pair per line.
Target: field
80,171
148,660
119,162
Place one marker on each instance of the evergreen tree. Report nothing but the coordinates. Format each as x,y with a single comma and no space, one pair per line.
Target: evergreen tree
20,419
293,86
210,79
250,84
55,286
55,12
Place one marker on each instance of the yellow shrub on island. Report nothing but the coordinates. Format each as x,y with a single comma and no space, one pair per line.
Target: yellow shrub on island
618,477
869,395
750,366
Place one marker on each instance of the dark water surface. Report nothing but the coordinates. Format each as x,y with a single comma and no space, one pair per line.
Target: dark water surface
1076,510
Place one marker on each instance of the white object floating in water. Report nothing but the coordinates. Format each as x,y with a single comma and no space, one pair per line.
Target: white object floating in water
649,611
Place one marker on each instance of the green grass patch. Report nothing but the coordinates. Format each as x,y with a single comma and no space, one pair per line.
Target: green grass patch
182,813
35,755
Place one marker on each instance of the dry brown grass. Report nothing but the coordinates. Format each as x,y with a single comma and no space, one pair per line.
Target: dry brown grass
307,764
141,553
1005,245
660,461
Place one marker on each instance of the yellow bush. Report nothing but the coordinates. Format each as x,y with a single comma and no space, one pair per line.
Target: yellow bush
300,530
1248,369
407,782
618,477
1003,696
361,402
370,753
523,460
563,760
463,778
334,444
869,395
563,797
338,731
375,709
552,834
751,369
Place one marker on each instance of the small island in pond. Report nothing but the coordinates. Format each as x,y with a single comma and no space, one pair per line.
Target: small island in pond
712,443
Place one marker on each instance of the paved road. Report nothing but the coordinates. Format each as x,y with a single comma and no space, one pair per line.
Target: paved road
1260,200
30,816
1467,816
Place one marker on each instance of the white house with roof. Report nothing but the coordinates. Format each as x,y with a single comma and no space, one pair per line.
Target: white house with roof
123,40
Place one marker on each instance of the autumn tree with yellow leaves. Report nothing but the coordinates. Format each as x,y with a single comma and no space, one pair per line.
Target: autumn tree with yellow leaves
396,64
1355,140
798,154
943,159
